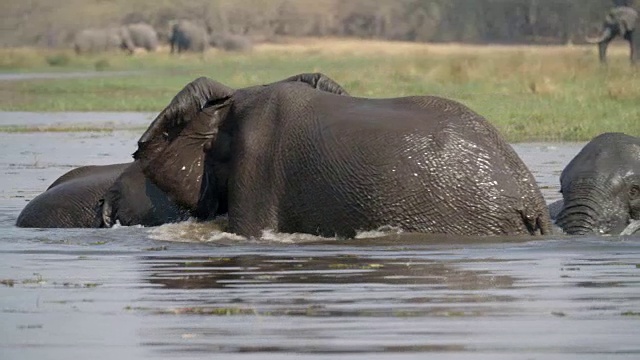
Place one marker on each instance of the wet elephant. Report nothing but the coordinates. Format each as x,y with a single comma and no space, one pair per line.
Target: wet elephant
143,36
620,21
91,41
299,155
77,200
188,36
601,188
134,200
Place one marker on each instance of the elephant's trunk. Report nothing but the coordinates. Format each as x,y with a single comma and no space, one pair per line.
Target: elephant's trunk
632,228
606,34
581,212
578,220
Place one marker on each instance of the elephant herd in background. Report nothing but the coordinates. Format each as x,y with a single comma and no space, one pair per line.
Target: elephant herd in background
126,37
303,156
184,36
187,35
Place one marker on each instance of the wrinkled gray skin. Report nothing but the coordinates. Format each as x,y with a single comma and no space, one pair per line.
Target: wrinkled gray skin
97,196
135,200
90,41
188,36
301,156
72,201
620,21
143,36
601,187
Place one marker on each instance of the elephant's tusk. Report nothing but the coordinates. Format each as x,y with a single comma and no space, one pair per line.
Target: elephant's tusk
202,136
632,228
604,36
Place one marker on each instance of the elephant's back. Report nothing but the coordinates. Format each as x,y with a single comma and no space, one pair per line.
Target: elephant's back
400,161
69,205
112,170
607,153
411,114
429,127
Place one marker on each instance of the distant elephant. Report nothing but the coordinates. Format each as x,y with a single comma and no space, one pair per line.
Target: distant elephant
188,36
231,42
90,41
299,155
601,188
620,21
143,36
87,196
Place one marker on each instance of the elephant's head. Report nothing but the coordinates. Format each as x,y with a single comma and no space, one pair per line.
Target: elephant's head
601,186
619,21
187,149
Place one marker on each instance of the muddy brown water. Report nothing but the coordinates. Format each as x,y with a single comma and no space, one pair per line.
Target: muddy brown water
188,290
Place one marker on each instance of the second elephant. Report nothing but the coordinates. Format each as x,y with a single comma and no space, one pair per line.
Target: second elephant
98,196
601,188
299,155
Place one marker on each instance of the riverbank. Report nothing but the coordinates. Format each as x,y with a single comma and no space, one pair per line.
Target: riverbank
530,93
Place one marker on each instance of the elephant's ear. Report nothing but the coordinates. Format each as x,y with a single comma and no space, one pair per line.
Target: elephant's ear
172,150
319,81
182,109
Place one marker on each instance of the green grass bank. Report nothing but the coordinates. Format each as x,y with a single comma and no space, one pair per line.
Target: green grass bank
529,93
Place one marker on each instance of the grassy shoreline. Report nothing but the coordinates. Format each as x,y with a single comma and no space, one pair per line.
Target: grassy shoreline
528,93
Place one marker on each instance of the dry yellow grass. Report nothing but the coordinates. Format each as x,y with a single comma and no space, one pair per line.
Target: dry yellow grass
346,46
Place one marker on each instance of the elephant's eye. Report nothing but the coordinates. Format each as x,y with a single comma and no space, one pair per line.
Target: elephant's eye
634,191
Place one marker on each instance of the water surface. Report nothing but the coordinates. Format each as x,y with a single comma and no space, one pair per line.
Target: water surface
188,290
64,75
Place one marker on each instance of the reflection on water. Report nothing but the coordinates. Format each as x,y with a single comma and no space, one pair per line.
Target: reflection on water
205,273
190,290
70,120
542,298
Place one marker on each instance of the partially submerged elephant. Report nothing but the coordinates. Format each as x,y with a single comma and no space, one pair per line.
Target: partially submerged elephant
299,156
601,188
98,196
620,21
90,41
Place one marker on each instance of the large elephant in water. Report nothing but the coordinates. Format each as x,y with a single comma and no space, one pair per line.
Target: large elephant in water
98,196
601,188
299,155
620,21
